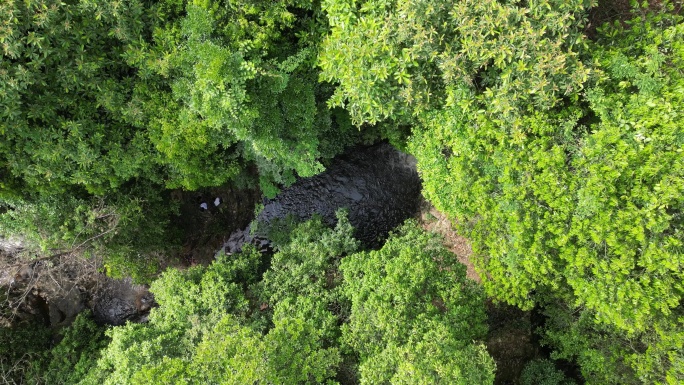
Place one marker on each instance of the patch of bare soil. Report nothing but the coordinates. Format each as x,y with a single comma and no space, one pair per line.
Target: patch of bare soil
53,291
510,340
434,221
50,290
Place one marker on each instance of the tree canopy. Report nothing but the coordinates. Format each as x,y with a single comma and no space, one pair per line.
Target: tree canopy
552,140
228,324
107,106
560,158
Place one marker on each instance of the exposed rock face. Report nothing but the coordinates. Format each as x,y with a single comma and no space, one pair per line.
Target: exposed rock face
41,292
118,301
64,309
11,245
55,296
378,185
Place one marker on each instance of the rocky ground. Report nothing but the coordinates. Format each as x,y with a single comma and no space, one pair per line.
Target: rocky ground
54,289
378,185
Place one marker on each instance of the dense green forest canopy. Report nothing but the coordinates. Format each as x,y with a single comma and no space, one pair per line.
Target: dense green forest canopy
551,132
321,313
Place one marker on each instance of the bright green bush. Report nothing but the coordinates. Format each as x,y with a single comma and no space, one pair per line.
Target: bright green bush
630,179
191,303
543,372
628,270
209,326
581,205
302,266
397,59
414,314
606,355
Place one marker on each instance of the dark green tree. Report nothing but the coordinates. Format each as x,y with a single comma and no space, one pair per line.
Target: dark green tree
63,89
229,84
76,175
104,106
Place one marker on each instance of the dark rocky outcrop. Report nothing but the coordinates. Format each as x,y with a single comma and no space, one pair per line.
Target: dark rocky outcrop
55,295
377,184
118,301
